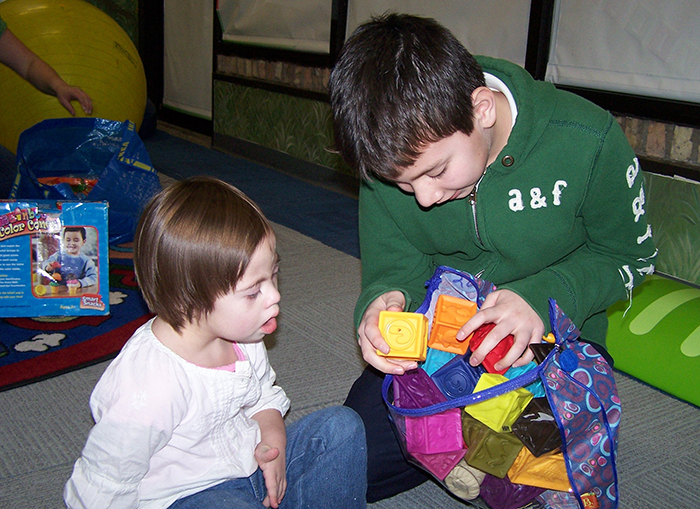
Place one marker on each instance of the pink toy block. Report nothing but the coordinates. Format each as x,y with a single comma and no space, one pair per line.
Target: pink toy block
435,434
405,333
497,353
432,434
440,464
449,316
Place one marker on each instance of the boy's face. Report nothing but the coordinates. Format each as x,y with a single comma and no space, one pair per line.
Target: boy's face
447,169
72,243
249,312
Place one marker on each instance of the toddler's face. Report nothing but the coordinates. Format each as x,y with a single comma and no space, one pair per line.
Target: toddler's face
72,243
249,312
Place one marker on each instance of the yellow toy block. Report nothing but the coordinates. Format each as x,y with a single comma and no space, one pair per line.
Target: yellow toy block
501,412
449,316
405,333
547,471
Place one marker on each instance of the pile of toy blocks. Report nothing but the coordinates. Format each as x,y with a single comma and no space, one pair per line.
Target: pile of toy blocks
505,449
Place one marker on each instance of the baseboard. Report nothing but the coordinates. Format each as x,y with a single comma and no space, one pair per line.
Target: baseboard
311,172
189,122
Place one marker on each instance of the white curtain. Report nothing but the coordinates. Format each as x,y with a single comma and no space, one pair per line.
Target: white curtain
301,25
496,28
188,66
643,47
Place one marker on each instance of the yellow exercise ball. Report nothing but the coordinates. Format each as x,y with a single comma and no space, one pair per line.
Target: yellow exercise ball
87,48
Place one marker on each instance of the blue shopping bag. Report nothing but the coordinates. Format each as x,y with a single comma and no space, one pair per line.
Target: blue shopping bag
107,154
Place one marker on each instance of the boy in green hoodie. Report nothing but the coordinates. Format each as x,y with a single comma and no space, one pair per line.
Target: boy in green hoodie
470,163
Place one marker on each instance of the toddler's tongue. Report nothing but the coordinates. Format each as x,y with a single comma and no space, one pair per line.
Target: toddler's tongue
270,326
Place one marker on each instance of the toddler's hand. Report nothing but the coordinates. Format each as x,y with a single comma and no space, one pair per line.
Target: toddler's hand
512,315
370,338
272,464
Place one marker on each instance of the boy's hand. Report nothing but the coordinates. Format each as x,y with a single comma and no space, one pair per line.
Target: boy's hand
370,339
271,463
512,315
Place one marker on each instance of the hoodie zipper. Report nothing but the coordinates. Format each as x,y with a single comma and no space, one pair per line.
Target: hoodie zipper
472,202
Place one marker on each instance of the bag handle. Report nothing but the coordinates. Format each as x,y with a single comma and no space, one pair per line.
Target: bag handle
470,399
480,286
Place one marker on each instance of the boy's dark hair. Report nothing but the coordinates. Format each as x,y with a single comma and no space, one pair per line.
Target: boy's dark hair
192,245
400,83
77,229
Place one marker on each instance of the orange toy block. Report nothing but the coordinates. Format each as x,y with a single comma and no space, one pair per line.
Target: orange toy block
405,333
450,314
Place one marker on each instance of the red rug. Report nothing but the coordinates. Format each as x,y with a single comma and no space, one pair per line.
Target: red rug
32,349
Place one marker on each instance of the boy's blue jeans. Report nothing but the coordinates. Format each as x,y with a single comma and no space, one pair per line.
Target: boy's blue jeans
326,467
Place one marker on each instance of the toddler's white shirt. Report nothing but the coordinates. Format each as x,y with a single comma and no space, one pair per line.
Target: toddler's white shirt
166,428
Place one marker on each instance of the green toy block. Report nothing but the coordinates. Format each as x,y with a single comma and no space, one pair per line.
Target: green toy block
487,450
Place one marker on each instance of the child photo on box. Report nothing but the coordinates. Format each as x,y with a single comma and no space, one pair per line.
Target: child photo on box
73,265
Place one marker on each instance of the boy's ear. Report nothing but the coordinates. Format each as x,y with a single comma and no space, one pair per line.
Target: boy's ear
484,104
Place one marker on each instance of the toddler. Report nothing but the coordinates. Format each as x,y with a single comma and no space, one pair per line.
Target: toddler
188,415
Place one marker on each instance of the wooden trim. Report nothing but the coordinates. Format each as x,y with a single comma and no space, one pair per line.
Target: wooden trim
271,86
186,121
669,169
314,173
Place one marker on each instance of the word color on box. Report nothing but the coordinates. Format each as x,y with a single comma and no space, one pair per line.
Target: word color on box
450,314
405,333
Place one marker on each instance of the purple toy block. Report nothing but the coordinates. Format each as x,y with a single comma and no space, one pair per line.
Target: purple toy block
434,434
458,377
415,389
440,464
503,494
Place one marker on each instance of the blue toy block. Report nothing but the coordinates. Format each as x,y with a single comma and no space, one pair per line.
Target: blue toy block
435,359
457,377
536,388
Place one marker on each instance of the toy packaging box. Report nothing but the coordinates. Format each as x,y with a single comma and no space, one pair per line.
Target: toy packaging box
54,258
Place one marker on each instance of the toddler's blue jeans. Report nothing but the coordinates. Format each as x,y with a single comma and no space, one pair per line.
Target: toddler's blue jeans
326,467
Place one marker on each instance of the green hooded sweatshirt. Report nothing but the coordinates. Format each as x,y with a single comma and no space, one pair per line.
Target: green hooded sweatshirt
559,213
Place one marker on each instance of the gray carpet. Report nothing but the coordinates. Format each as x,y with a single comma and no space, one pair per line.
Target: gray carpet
44,425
